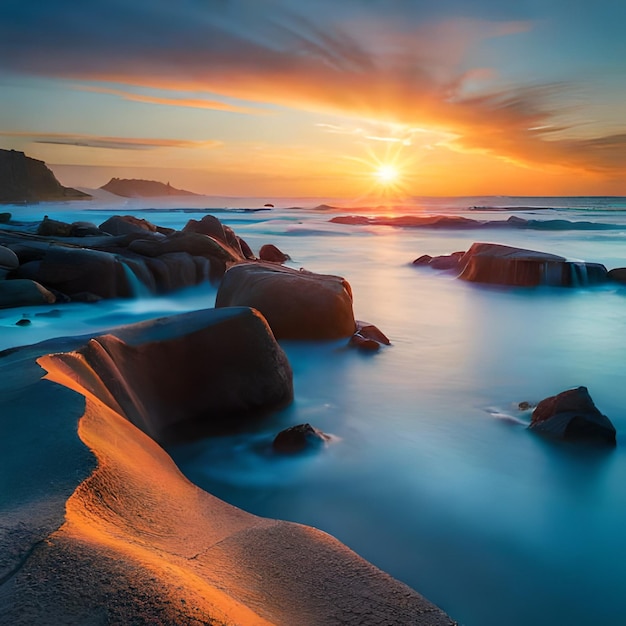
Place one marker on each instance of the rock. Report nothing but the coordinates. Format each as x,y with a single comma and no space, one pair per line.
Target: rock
54,228
618,274
296,304
74,270
298,439
572,416
506,265
8,261
201,373
126,224
85,229
525,405
271,253
23,179
5,218
22,292
368,337
208,225
425,259
246,250
23,322
447,261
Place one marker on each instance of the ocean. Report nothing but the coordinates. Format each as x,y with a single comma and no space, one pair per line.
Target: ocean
431,474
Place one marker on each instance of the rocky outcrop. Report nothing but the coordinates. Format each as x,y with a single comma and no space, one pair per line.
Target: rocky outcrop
208,372
506,265
121,258
102,527
23,179
496,264
296,304
23,292
572,416
298,439
138,188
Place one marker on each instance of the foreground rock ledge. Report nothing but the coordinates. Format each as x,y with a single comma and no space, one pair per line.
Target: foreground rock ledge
134,542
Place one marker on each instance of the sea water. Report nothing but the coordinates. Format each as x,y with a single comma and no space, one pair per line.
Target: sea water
431,473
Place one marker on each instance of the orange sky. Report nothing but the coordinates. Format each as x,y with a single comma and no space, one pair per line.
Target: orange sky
298,101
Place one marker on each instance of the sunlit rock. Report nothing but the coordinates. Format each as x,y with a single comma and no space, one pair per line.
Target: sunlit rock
296,304
299,438
506,265
572,416
200,373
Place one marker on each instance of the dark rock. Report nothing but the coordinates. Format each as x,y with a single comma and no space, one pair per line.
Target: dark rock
5,218
246,250
23,322
572,416
524,405
296,304
368,337
125,224
447,261
200,373
22,292
23,179
618,274
54,228
298,439
85,229
425,259
8,261
271,253
208,225
506,265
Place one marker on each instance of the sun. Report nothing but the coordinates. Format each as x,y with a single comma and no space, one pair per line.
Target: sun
386,174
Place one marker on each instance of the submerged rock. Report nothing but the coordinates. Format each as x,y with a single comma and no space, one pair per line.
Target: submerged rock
298,439
296,304
572,416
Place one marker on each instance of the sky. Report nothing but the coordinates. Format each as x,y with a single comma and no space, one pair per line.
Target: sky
321,98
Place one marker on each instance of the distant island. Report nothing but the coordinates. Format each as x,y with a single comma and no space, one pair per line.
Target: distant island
23,179
137,188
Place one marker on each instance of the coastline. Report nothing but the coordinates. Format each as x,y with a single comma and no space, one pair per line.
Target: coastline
132,540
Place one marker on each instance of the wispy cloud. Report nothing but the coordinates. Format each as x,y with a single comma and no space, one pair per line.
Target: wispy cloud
113,143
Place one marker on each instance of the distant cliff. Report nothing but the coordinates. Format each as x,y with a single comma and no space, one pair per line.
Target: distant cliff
23,179
136,188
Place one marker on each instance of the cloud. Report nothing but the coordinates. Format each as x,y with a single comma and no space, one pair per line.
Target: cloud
113,143
369,64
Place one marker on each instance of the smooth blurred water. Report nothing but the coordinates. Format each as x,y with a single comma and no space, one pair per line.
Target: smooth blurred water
432,474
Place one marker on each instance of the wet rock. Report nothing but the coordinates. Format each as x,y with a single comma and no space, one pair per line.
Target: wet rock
127,224
368,337
618,274
22,292
269,252
506,265
296,304
53,228
425,259
8,261
23,322
5,218
299,439
572,416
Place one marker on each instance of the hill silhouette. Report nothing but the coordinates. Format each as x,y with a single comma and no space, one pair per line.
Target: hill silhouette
138,188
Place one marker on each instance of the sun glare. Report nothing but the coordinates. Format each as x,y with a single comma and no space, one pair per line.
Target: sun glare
386,174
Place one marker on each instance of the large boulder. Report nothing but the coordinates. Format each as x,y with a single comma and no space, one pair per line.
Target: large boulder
507,265
211,226
572,416
296,304
127,224
201,373
76,270
23,292
269,252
